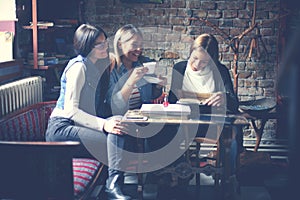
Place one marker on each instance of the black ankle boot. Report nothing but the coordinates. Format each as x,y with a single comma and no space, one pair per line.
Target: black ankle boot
113,189
116,194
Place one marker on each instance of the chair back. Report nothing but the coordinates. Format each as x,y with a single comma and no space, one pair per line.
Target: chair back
36,170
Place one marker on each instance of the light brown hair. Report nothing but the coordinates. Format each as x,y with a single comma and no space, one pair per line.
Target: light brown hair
209,43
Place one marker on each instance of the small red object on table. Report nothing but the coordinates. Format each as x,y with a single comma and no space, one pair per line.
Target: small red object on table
166,102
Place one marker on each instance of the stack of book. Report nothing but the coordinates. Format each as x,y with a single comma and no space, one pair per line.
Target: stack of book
161,110
43,59
43,23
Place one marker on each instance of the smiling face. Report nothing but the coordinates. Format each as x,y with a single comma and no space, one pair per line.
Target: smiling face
132,49
199,59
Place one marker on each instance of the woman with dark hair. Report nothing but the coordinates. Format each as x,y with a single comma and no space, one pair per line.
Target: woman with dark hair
84,85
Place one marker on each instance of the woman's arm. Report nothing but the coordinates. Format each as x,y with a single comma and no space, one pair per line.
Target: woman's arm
114,98
134,76
231,97
177,79
120,88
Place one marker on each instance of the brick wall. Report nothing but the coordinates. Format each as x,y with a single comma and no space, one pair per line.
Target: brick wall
168,31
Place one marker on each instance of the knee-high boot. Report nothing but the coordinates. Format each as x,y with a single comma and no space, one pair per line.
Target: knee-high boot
115,176
113,185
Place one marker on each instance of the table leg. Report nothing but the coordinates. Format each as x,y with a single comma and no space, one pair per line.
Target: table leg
140,143
140,185
258,131
218,156
225,142
226,139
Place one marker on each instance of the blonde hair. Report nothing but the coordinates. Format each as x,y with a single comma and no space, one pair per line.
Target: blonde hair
112,60
124,34
209,43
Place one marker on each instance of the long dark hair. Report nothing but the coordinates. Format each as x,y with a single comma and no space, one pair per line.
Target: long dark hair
85,37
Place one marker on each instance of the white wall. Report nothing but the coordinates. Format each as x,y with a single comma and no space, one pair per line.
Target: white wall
7,10
7,24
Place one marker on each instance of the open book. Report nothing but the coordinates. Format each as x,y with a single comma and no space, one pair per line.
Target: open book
190,101
186,97
194,95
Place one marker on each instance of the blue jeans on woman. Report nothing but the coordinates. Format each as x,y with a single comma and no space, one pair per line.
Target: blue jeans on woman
107,148
93,143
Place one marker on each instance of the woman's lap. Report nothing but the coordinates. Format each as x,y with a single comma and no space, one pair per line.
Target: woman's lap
92,142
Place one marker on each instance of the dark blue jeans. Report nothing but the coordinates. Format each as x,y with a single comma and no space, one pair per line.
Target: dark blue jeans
107,148
93,143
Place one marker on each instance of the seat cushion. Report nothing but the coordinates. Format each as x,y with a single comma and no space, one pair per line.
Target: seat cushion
27,124
84,171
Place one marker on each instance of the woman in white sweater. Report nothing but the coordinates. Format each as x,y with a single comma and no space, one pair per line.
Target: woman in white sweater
84,85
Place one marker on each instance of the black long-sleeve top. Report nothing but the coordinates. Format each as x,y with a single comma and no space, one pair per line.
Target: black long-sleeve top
222,79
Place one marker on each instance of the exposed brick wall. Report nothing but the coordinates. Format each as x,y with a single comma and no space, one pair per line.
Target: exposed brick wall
168,33
168,30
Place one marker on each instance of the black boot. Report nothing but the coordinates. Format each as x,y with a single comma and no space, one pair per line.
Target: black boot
115,177
113,189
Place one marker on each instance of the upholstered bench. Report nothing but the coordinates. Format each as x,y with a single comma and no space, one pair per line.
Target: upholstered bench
30,123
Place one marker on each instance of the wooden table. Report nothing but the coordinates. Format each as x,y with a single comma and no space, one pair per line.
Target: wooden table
139,122
258,112
258,121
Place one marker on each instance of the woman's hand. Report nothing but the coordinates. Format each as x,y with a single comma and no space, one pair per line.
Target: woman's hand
136,74
217,99
163,81
114,126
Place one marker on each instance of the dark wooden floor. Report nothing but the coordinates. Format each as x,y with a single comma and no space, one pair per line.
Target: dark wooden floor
261,182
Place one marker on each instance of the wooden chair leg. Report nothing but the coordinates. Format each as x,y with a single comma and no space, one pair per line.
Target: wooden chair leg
198,163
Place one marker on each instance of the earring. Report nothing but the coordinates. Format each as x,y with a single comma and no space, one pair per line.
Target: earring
119,45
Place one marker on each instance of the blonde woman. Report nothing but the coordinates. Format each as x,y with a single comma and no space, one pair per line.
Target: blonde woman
127,90
204,73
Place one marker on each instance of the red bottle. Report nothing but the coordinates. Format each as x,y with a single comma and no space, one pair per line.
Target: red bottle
166,102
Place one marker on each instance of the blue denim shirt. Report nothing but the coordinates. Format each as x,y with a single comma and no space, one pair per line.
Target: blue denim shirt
118,78
61,100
